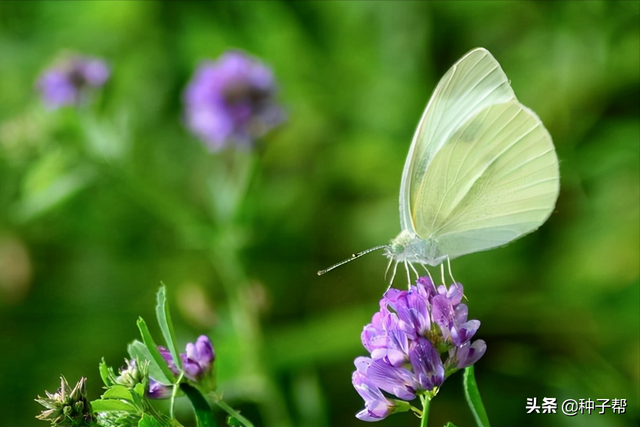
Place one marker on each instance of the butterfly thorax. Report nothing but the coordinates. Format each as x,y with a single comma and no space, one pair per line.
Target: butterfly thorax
409,247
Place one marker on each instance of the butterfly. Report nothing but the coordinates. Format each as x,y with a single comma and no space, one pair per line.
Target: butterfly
481,171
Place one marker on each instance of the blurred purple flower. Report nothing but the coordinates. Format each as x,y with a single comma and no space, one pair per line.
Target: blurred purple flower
157,390
66,82
231,100
417,339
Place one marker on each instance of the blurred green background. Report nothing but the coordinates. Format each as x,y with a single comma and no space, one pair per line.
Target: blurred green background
99,206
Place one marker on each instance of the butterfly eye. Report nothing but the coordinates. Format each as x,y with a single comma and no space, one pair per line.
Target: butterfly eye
396,248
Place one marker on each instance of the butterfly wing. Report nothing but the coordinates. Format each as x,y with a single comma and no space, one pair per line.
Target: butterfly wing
482,170
493,181
475,82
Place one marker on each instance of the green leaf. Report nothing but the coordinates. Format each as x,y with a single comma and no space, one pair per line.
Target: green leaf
233,422
166,326
474,400
149,421
54,178
139,389
104,373
136,397
118,392
204,414
113,405
137,350
152,348
449,424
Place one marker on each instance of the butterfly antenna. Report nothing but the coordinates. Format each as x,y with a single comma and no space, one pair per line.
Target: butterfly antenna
353,256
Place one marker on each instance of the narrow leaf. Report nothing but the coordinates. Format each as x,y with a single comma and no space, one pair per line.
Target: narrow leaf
474,400
166,326
152,348
137,350
204,414
104,373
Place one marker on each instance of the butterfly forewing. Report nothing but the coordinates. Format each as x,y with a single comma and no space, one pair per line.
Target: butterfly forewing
471,85
493,181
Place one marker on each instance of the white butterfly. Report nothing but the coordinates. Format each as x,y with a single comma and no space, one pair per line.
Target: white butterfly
481,171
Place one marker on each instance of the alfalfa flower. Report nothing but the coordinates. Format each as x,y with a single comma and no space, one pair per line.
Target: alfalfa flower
417,339
376,405
67,82
197,365
231,100
67,407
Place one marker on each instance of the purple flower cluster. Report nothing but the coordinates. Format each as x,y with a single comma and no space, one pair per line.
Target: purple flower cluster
65,83
231,99
417,339
197,365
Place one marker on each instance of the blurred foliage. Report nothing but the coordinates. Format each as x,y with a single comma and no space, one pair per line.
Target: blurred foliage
100,205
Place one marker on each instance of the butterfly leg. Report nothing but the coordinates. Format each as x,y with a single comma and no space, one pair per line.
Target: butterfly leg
414,270
406,267
387,270
393,276
450,271
429,274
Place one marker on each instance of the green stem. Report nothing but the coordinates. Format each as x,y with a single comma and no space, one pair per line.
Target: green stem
472,394
235,414
225,256
426,402
174,393
204,414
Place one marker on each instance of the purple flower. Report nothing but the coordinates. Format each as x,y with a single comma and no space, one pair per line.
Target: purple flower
66,83
427,365
157,390
395,380
385,340
376,405
418,338
197,365
231,99
166,355
198,359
